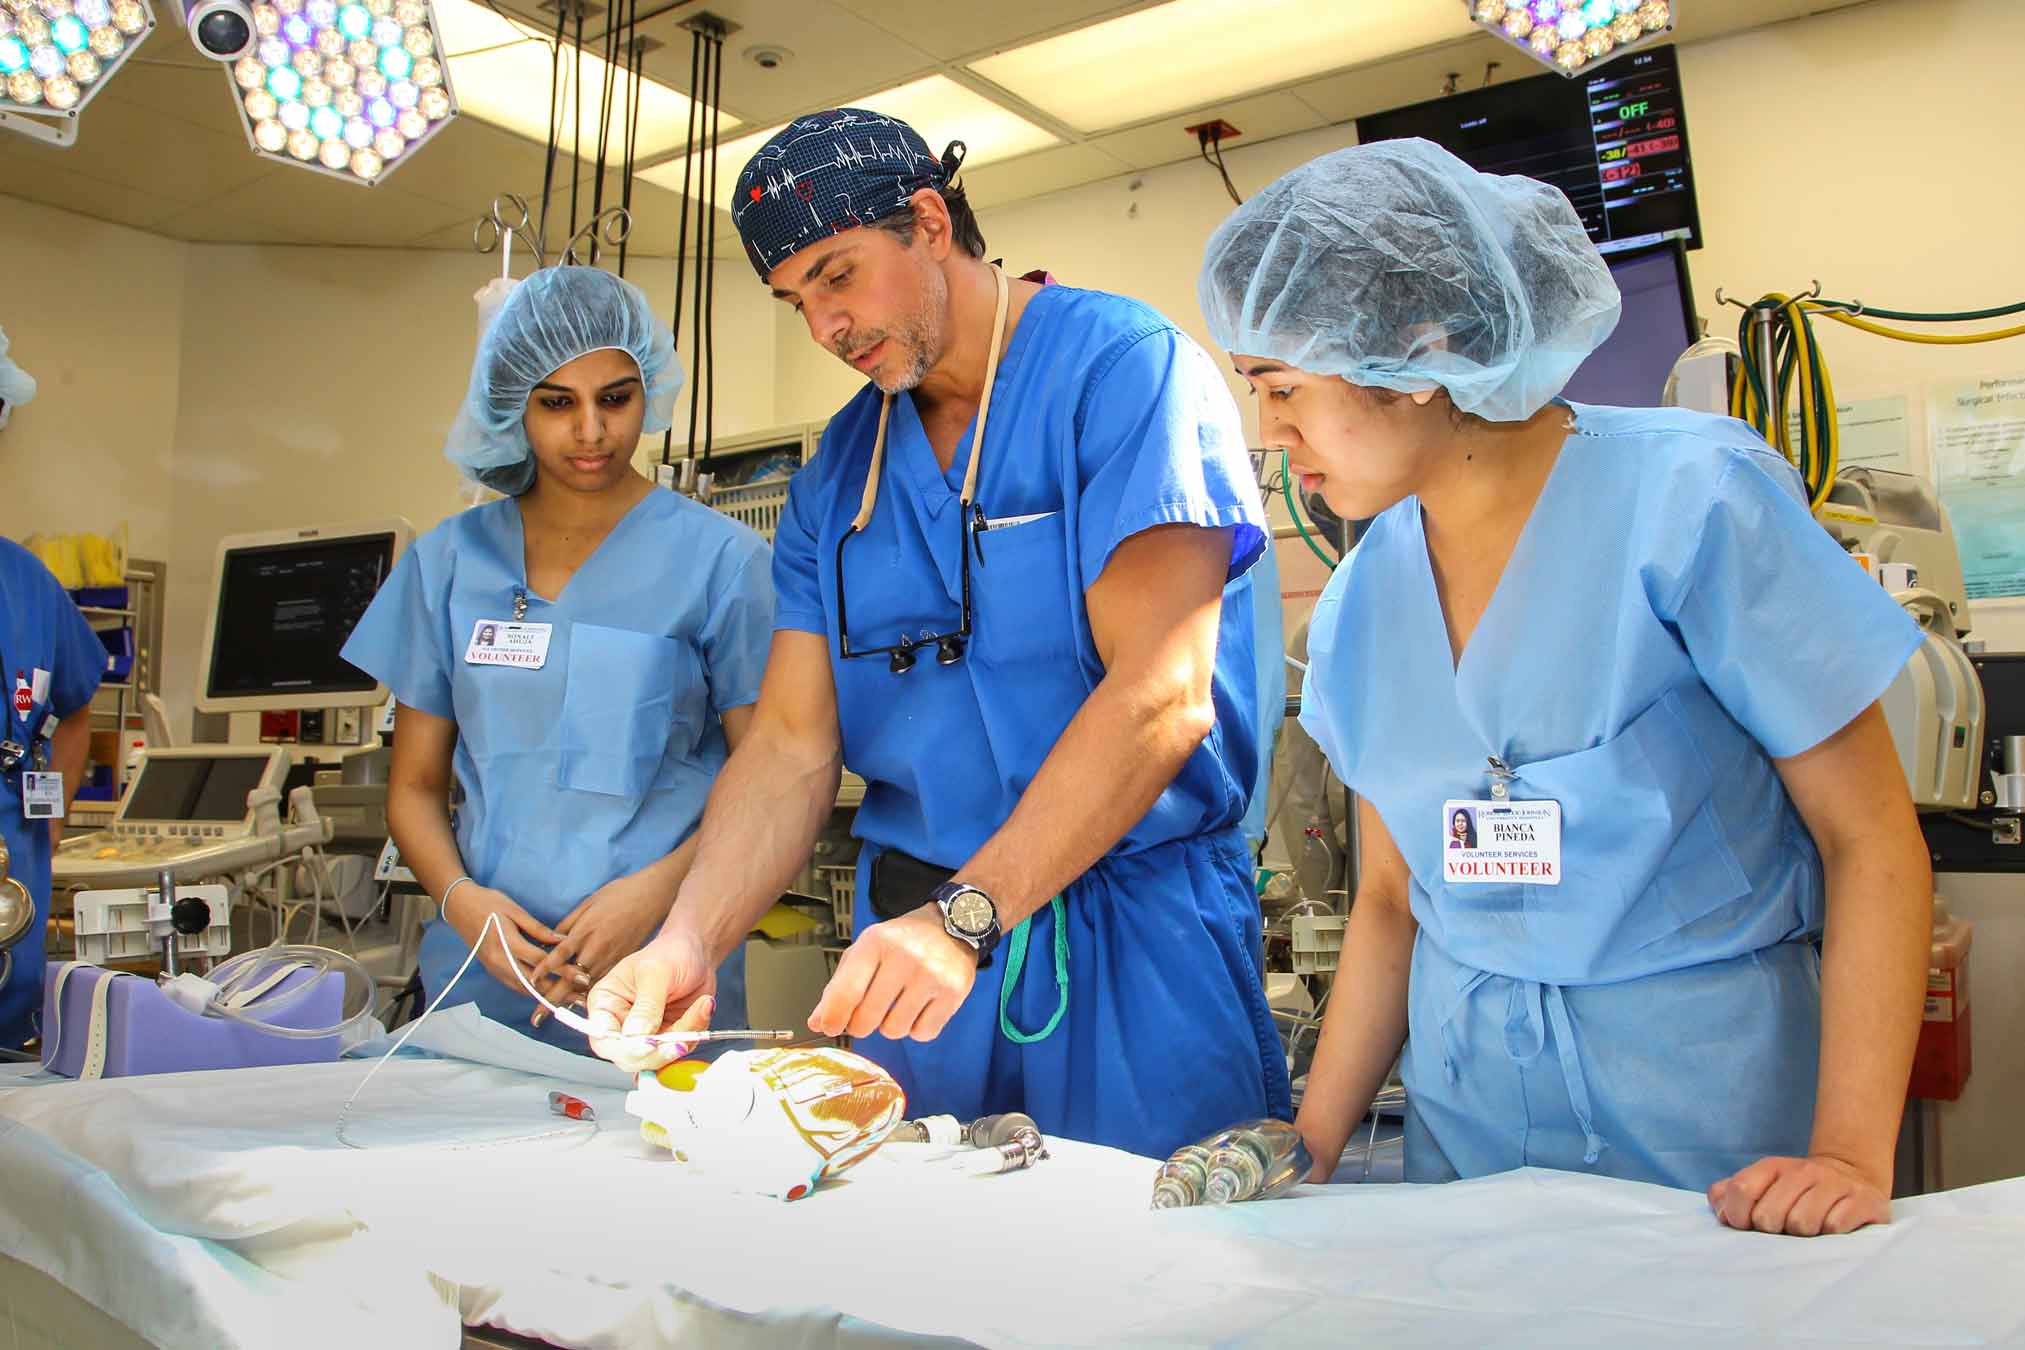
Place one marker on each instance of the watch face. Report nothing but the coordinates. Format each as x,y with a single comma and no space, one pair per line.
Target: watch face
970,914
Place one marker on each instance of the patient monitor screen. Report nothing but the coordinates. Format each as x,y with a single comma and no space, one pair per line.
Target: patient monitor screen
195,789
285,610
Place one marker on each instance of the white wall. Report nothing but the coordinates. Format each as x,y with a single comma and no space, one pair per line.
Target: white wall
95,313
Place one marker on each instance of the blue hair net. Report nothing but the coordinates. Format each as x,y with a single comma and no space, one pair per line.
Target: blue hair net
1398,266
547,321
17,386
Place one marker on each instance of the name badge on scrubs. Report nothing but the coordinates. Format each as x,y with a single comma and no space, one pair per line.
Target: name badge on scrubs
1501,843
502,642
42,795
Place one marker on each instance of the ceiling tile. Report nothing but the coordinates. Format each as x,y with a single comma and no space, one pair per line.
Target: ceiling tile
1045,171
1259,118
136,147
953,31
298,206
1413,79
53,186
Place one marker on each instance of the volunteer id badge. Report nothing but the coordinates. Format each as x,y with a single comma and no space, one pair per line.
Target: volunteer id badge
502,642
42,795
1501,842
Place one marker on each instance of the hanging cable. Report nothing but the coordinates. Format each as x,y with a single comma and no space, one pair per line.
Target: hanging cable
577,120
682,232
1931,339
604,133
554,101
709,260
634,57
1912,316
712,57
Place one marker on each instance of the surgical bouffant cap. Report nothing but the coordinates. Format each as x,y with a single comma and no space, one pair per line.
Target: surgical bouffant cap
556,315
1397,266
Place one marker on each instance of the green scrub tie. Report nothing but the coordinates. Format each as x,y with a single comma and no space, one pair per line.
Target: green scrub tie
1015,963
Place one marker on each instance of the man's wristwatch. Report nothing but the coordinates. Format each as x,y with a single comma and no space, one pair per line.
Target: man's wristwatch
970,916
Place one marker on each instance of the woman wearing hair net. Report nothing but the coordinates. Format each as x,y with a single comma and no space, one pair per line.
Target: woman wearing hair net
1689,945
580,656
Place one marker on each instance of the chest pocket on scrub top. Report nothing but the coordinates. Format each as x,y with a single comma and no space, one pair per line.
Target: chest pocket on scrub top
632,700
1025,600
1641,847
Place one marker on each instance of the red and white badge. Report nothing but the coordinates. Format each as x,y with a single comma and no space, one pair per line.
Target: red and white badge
1501,843
24,698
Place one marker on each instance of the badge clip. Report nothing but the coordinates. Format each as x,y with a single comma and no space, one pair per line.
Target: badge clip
1501,776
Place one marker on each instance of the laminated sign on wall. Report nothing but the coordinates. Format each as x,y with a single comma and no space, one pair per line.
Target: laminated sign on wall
1977,435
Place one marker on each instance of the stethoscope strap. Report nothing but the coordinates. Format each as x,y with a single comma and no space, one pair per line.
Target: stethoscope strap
870,499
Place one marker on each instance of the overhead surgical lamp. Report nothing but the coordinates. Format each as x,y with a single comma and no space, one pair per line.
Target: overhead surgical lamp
348,89
55,55
1573,35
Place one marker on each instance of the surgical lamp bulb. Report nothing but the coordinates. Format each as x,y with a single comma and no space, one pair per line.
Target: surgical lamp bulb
294,116
273,51
6,22
366,164
403,94
362,52
1490,11
380,113
371,83
297,30
1625,28
390,143
329,42
418,42
435,104
354,22
395,63
1571,25
266,20
261,105
55,9
24,88
348,102
322,13
341,73
62,92
326,124
270,136
302,145
1518,22
1569,55
386,32
306,62
46,62
1546,11
33,28
1597,43
412,125
95,13
358,135
428,72
106,43
1655,15
408,13
249,72
335,155
129,16
1545,40
284,83
69,34
1599,12
13,55
84,67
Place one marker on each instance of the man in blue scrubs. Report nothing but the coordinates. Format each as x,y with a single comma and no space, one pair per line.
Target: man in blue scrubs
1033,642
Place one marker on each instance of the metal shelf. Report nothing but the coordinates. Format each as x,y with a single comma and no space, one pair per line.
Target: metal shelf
101,612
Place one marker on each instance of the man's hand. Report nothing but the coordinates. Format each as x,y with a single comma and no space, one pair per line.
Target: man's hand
610,924
904,978
1806,1197
667,987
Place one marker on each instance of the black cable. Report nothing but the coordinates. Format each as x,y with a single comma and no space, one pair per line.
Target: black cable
577,101
604,137
1205,138
682,233
554,97
710,258
710,55
634,56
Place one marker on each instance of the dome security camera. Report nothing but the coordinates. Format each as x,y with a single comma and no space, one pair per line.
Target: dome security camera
220,29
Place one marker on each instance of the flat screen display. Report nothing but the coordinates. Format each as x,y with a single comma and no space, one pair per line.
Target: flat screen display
285,610
1614,141
194,789
1656,326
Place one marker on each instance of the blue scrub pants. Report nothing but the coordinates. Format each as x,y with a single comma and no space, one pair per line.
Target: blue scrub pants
1680,1078
1167,1036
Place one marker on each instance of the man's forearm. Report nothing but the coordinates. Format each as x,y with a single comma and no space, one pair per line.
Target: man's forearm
765,810
1117,756
68,749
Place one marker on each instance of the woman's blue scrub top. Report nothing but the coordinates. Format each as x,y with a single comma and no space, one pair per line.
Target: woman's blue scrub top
598,763
1671,621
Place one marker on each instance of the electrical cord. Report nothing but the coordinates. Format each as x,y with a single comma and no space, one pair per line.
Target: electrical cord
1206,141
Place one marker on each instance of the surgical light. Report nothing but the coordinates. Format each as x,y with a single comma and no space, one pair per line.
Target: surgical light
1574,35
349,88
54,56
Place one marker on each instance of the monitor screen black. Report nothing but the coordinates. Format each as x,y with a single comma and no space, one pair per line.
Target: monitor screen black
285,610
1615,141
1657,325
194,789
